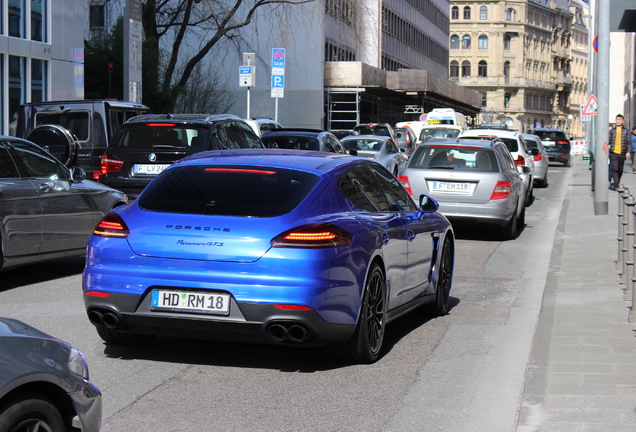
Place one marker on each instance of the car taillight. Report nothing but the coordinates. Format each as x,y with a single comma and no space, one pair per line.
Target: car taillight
406,183
562,142
108,165
502,190
314,236
538,157
292,307
111,225
520,160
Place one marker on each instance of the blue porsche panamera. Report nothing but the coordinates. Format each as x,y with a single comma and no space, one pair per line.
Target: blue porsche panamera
275,246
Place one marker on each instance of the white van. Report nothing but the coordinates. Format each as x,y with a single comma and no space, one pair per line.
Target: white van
415,126
446,116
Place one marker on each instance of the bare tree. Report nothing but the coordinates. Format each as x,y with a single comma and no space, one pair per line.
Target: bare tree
193,27
203,93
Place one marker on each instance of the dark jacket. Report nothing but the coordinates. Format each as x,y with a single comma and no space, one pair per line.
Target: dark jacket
626,140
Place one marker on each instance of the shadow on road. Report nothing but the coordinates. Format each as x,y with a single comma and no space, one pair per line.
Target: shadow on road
40,272
246,355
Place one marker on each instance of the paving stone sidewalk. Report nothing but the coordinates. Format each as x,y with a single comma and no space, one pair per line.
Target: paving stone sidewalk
582,370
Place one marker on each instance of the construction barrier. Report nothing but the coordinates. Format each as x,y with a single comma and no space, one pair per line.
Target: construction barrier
578,147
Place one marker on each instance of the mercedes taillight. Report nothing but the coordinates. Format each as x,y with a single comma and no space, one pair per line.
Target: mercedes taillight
502,190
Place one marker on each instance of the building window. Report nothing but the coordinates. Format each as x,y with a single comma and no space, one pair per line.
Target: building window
466,42
96,17
506,71
482,43
38,20
509,14
16,18
506,41
467,13
454,69
455,13
454,43
483,13
17,83
466,68
482,69
484,99
39,78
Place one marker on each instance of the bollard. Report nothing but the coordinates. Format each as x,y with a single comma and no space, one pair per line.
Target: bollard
630,202
625,196
619,190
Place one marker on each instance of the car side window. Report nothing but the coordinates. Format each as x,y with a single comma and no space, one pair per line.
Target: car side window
362,189
7,166
38,163
236,135
508,162
395,194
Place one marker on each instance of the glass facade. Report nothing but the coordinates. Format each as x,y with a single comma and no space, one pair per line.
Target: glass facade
17,83
38,22
16,18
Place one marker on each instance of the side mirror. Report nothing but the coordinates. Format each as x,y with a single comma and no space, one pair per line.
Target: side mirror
535,152
77,174
353,152
428,204
522,169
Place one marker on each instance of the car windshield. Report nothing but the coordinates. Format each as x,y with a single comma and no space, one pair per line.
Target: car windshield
291,142
552,135
161,136
363,144
460,158
235,190
373,130
438,133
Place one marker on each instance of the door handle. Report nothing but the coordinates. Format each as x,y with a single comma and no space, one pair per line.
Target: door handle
45,187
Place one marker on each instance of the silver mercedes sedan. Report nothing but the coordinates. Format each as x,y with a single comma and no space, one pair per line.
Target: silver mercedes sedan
382,149
472,180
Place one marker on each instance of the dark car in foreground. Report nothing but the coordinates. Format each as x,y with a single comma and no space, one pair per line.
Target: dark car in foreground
287,247
44,383
302,139
47,210
556,143
473,180
146,145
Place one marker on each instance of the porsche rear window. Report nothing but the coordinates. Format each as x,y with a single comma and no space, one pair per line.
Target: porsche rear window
228,190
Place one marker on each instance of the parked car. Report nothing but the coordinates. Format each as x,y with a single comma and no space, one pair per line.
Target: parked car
541,161
517,146
146,145
406,139
556,143
441,131
44,383
47,210
381,129
382,149
302,139
263,124
472,180
274,246
76,132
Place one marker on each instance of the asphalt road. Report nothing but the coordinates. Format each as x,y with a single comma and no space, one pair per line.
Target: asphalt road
462,372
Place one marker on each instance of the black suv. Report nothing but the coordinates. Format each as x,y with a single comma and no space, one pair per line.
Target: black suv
147,144
76,132
556,143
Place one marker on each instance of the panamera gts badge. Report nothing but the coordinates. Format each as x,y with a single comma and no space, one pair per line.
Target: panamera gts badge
152,157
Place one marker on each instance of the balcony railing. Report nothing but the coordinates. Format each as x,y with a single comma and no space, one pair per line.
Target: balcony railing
502,81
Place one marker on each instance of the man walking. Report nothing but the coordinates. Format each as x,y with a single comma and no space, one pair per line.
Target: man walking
620,143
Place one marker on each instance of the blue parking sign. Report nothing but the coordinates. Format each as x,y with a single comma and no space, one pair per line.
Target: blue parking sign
278,81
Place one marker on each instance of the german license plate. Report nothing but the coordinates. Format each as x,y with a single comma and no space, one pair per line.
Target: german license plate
149,169
191,301
457,187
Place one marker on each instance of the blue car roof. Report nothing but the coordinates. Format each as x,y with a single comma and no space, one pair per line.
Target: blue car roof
293,159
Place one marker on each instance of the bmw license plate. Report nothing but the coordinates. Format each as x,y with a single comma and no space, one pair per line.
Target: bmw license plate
191,301
456,187
149,169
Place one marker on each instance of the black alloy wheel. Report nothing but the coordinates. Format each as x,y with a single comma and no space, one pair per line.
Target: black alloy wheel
442,296
31,414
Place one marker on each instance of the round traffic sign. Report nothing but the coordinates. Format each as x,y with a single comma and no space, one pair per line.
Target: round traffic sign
278,55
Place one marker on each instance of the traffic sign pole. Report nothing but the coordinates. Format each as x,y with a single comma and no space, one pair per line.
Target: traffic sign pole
278,77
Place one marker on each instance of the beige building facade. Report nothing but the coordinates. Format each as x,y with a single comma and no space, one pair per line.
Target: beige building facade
527,58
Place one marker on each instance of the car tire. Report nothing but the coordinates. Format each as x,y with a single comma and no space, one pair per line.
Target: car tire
521,220
116,337
544,183
511,228
56,140
31,413
529,196
365,344
442,295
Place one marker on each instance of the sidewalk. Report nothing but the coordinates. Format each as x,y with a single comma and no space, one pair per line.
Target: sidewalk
582,370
